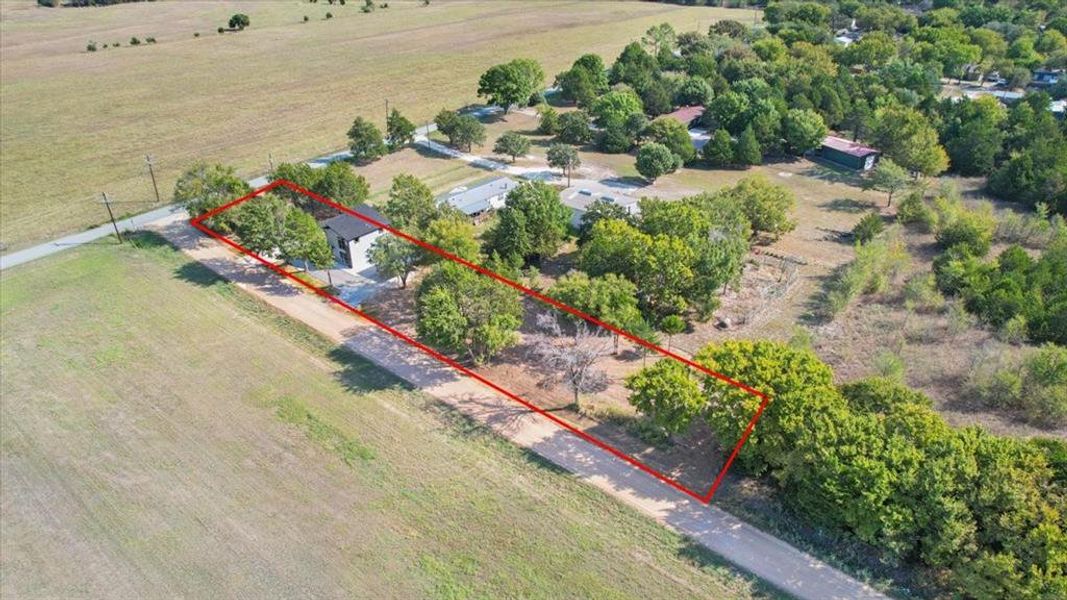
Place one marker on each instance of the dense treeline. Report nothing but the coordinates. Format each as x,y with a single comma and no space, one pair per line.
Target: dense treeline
1014,290
775,90
873,457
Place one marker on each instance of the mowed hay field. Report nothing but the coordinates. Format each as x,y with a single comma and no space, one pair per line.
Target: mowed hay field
74,123
164,435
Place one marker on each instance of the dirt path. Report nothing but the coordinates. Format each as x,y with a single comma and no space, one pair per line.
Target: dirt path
765,556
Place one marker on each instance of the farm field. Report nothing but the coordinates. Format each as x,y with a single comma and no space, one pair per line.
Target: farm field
297,85
255,457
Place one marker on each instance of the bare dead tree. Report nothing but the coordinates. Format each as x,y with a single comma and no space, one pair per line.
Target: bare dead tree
569,357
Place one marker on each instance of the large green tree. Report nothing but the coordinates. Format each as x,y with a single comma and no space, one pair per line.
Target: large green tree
462,311
260,223
667,393
672,134
365,140
889,177
203,188
394,257
532,225
514,82
304,240
614,107
565,158
906,136
512,144
399,131
803,130
655,160
411,205
767,205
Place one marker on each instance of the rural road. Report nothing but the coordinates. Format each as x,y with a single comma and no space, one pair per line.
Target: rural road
135,222
763,555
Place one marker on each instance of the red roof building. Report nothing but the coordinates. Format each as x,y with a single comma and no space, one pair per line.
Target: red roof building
686,114
847,153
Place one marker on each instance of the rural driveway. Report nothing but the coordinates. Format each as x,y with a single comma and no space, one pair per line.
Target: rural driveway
767,557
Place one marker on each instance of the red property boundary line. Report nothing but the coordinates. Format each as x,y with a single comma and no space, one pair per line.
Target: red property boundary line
198,223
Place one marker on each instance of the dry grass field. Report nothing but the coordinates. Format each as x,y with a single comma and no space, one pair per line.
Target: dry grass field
164,435
75,123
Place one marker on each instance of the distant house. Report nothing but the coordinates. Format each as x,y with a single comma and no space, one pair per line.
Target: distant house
1007,98
350,237
687,115
477,202
847,153
1046,77
1058,108
578,201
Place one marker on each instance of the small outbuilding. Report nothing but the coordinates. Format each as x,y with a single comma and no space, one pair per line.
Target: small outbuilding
848,153
479,201
351,237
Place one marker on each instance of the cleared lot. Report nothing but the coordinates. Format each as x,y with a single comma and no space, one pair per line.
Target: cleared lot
164,435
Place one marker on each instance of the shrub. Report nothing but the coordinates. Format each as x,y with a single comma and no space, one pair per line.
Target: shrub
196,34
135,42
969,229
1035,385
150,40
876,264
868,227
239,21
890,365
90,47
306,18
549,124
1013,331
329,15
221,30
921,293
913,210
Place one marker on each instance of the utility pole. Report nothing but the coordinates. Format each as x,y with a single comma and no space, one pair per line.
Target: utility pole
270,160
111,215
152,173
387,113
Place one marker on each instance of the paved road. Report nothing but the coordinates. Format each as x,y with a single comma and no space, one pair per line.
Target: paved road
138,221
767,557
90,235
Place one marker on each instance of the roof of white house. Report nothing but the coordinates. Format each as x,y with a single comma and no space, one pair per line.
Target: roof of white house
350,227
1002,95
476,199
581,199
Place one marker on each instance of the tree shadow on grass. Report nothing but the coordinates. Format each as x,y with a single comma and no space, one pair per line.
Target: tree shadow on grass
846,205
359,375
702,558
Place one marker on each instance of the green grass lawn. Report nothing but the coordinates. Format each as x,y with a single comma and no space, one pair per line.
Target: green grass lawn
74,123
164,434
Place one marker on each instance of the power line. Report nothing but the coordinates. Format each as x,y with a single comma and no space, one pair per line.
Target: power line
111,215
152,172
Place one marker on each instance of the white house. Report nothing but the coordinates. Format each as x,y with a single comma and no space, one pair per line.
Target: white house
579,201
478,201
351,237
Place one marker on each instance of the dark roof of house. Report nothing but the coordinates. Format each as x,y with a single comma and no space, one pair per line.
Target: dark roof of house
350,227
848,147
